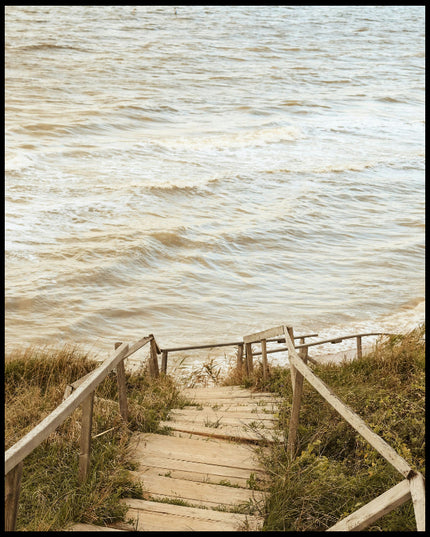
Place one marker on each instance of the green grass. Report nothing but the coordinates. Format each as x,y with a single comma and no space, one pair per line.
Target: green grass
51,495
336,471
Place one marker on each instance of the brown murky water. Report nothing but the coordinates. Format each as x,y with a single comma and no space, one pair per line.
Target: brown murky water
205,174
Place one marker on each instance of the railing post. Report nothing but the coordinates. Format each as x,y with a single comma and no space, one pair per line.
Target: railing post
292,368
303,353
240,357
87,420
164,362
264,359
122,388
297,380
12,490
359,349
153,360
249,365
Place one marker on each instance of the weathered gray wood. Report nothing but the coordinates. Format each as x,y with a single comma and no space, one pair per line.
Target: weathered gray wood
418,493
297,380
153,360
122,387
347,414
12,490
377,508
265,334
164,362
85,444
36,436
240,356
264,360
249,363
359,348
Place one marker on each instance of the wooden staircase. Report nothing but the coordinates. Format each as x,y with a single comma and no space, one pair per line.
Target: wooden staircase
204,475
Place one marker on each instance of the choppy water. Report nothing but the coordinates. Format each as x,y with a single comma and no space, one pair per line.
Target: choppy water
205,174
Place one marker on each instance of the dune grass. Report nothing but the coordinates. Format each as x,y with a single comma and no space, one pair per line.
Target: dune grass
51,495
336,471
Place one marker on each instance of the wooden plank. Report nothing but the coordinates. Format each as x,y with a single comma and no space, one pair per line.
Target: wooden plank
377,508
249,362
239,434
205,450
196,471
418,493
36,436
265,334
347,414
155,516
12,491
222,421
197,493
211,414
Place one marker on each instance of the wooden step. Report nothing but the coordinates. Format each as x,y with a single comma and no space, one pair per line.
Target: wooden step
205,450
197,471
210,414
198,493
240,433
156,516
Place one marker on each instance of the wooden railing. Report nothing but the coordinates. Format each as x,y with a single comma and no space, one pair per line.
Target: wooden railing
82,391
412,486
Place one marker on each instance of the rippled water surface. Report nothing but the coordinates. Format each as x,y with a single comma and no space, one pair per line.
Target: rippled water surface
203,174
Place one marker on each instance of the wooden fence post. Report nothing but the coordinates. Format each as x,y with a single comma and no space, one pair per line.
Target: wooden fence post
249,365
122,388
297,382
264,359
292,368
87,420
164,362
240,357
153,360
359,349
12,490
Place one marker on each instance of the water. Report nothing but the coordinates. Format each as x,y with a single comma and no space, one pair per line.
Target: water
210,173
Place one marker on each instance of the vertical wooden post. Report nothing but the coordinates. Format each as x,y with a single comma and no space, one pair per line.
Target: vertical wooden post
359,349
87,420
297,380
12,490
249,365
303,351
292,368
164,362
122,388
264,359
153,360
240,357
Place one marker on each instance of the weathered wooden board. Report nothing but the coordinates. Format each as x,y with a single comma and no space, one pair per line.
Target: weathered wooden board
240,433
213,414
198,493
194,471
154,516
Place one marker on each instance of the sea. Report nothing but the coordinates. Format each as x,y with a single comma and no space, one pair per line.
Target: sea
203,172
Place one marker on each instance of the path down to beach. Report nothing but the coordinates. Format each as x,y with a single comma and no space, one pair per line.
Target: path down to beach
204,475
